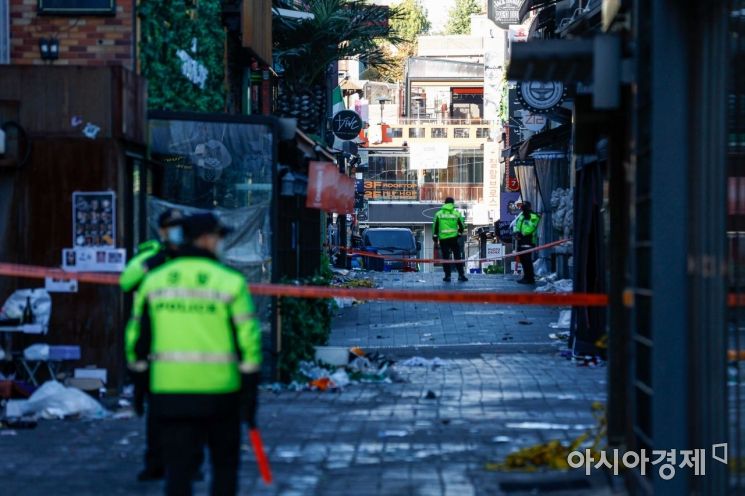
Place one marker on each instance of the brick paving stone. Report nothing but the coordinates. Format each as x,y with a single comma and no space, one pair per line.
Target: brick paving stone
373,439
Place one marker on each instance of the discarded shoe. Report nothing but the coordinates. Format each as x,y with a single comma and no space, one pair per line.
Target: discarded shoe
462,278
446,278
148,475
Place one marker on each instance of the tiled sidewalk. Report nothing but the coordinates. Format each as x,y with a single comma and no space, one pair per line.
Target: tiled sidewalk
495,395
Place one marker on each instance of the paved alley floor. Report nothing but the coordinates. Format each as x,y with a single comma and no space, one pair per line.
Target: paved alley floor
503,387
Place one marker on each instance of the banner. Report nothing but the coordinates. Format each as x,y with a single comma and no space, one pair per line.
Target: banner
429,156
492,178
328,189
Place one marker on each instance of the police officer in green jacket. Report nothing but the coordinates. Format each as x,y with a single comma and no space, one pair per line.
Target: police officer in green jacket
447,227
151,254
196,339
526,232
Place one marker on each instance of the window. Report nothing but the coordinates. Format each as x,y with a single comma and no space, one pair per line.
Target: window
396,132
439,132
416,132
461,132
482,132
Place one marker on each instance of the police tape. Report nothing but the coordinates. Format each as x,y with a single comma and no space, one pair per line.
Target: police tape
390,258
361,294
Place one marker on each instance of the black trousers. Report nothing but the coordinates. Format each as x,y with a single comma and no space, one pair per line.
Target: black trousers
527,262
451,246
182,436
154,459
154,456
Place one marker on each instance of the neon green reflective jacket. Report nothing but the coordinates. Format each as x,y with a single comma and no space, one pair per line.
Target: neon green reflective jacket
528,227
194,324
448,222
136,269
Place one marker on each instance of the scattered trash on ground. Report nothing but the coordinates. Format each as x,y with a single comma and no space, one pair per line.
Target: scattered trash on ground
553,454
430,395
344,302
362,368
501,439
418,361
525,322
560,286
547,426
564,322
393,433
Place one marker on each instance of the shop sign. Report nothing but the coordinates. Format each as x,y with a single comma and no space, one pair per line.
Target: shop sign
328,189
504,12
533,121
541,96
385,190
429,156
83,7
346,125
491,176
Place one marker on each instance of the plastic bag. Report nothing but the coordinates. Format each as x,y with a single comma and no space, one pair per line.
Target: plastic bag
38,351
53,400
41,305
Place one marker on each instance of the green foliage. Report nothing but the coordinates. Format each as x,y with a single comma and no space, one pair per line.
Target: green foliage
196,28
460,16
340,29
306,323
411,22
494,269
504,102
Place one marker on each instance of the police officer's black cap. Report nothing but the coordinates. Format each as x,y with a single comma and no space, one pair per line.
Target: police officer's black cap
198,224
449,199
169,218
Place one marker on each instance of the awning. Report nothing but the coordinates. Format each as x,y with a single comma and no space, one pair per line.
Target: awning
350,85
311,148
558,136
529,5
567,61
293,14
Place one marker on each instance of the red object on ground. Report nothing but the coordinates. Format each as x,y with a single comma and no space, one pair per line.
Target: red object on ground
261,459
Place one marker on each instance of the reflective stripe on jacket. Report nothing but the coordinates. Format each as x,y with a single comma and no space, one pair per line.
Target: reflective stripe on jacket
195,322
448,222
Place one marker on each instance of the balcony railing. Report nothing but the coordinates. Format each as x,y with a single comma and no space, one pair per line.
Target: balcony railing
435,115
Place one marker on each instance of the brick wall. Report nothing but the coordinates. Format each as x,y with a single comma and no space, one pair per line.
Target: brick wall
85,40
